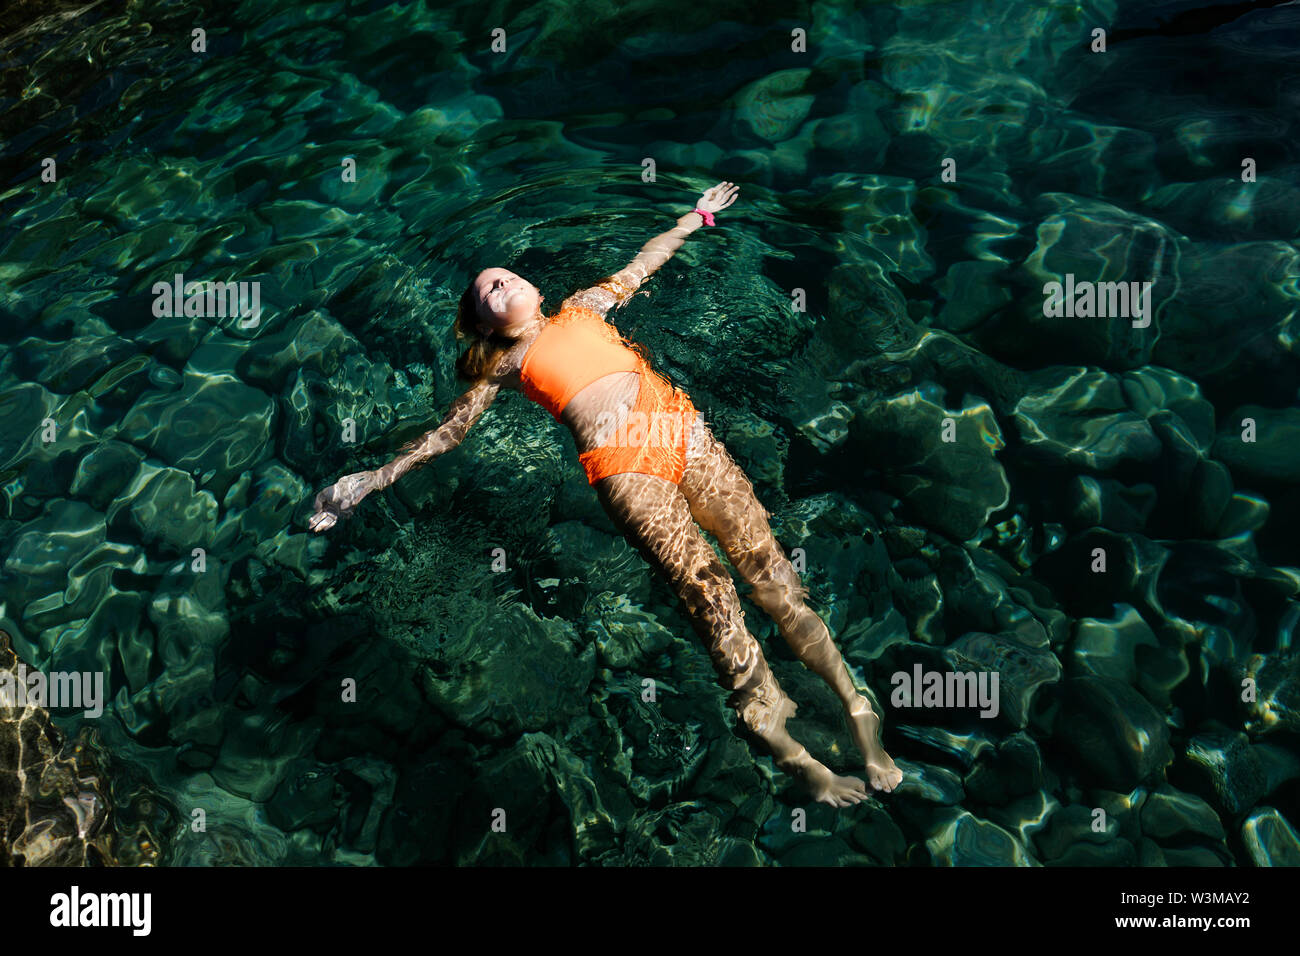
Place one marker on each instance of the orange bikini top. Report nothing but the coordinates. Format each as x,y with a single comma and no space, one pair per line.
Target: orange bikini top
574,349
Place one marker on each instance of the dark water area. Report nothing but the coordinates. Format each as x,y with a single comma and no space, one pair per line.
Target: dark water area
1101,509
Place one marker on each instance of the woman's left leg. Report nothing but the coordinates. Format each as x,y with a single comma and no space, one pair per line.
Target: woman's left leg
723,502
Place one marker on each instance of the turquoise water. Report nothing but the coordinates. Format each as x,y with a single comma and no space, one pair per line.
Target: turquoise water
478,689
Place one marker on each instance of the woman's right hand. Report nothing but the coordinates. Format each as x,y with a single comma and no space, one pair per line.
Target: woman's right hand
341,498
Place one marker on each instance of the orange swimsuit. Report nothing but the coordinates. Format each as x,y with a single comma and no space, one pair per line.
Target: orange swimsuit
576,348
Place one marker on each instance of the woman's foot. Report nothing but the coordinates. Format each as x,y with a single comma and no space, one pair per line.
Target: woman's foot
792,757
864,725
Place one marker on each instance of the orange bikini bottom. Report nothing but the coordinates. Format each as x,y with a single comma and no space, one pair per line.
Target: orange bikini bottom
653,439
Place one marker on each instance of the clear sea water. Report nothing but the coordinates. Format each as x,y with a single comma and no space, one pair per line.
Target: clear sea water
380,694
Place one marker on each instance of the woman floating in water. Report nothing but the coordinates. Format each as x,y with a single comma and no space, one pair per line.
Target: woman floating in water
658,472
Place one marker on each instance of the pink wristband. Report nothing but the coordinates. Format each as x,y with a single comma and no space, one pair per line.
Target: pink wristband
705,215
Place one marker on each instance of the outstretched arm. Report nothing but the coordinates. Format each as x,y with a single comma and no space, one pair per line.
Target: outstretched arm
345,494
618,288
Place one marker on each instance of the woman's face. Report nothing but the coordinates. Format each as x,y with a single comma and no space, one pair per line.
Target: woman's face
505,301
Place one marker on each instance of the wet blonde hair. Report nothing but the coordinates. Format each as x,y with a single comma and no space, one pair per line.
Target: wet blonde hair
484,350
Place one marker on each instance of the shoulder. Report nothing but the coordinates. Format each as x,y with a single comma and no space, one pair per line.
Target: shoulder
504,371
599,298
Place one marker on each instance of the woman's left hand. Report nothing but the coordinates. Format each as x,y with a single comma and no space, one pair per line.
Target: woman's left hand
719,197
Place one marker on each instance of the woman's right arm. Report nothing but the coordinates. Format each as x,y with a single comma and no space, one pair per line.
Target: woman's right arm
344,495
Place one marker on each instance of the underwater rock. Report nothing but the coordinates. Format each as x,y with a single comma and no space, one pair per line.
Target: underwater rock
1151,391
625,635
939,356
855,136
774,107
1021,670
1016,769
595,827
1274,452
418,829
172,339
1230,324
1270,839
39,557
310,341
1192,491
1073,825
1193,856
680,834
503,670
1277,702
1110,647
1024,816
1169,813
1234,211
293,219
863,645
963,839
878,836
505,816
1079,417
305,798
273,495
757,448
55,807
509,470
836,547
955,485
104,472
920,600
973,292
587,562
984,592
704,155
1114,731
1107,503
1243,513
1086,588
1122,808
1093,242
963,750
29,404
1118,852
71,365
1237,773
868,314
213,428
828,428
930,783
814,850
163,507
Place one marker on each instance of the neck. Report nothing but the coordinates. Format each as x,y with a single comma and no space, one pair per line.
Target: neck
521,330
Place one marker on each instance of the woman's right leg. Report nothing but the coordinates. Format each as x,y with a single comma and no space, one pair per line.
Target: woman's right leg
657,521
722,501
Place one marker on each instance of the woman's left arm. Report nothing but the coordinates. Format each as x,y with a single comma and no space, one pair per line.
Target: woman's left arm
618,288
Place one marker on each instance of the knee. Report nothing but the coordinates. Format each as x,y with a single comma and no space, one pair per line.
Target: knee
775,582
764,709
708,592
